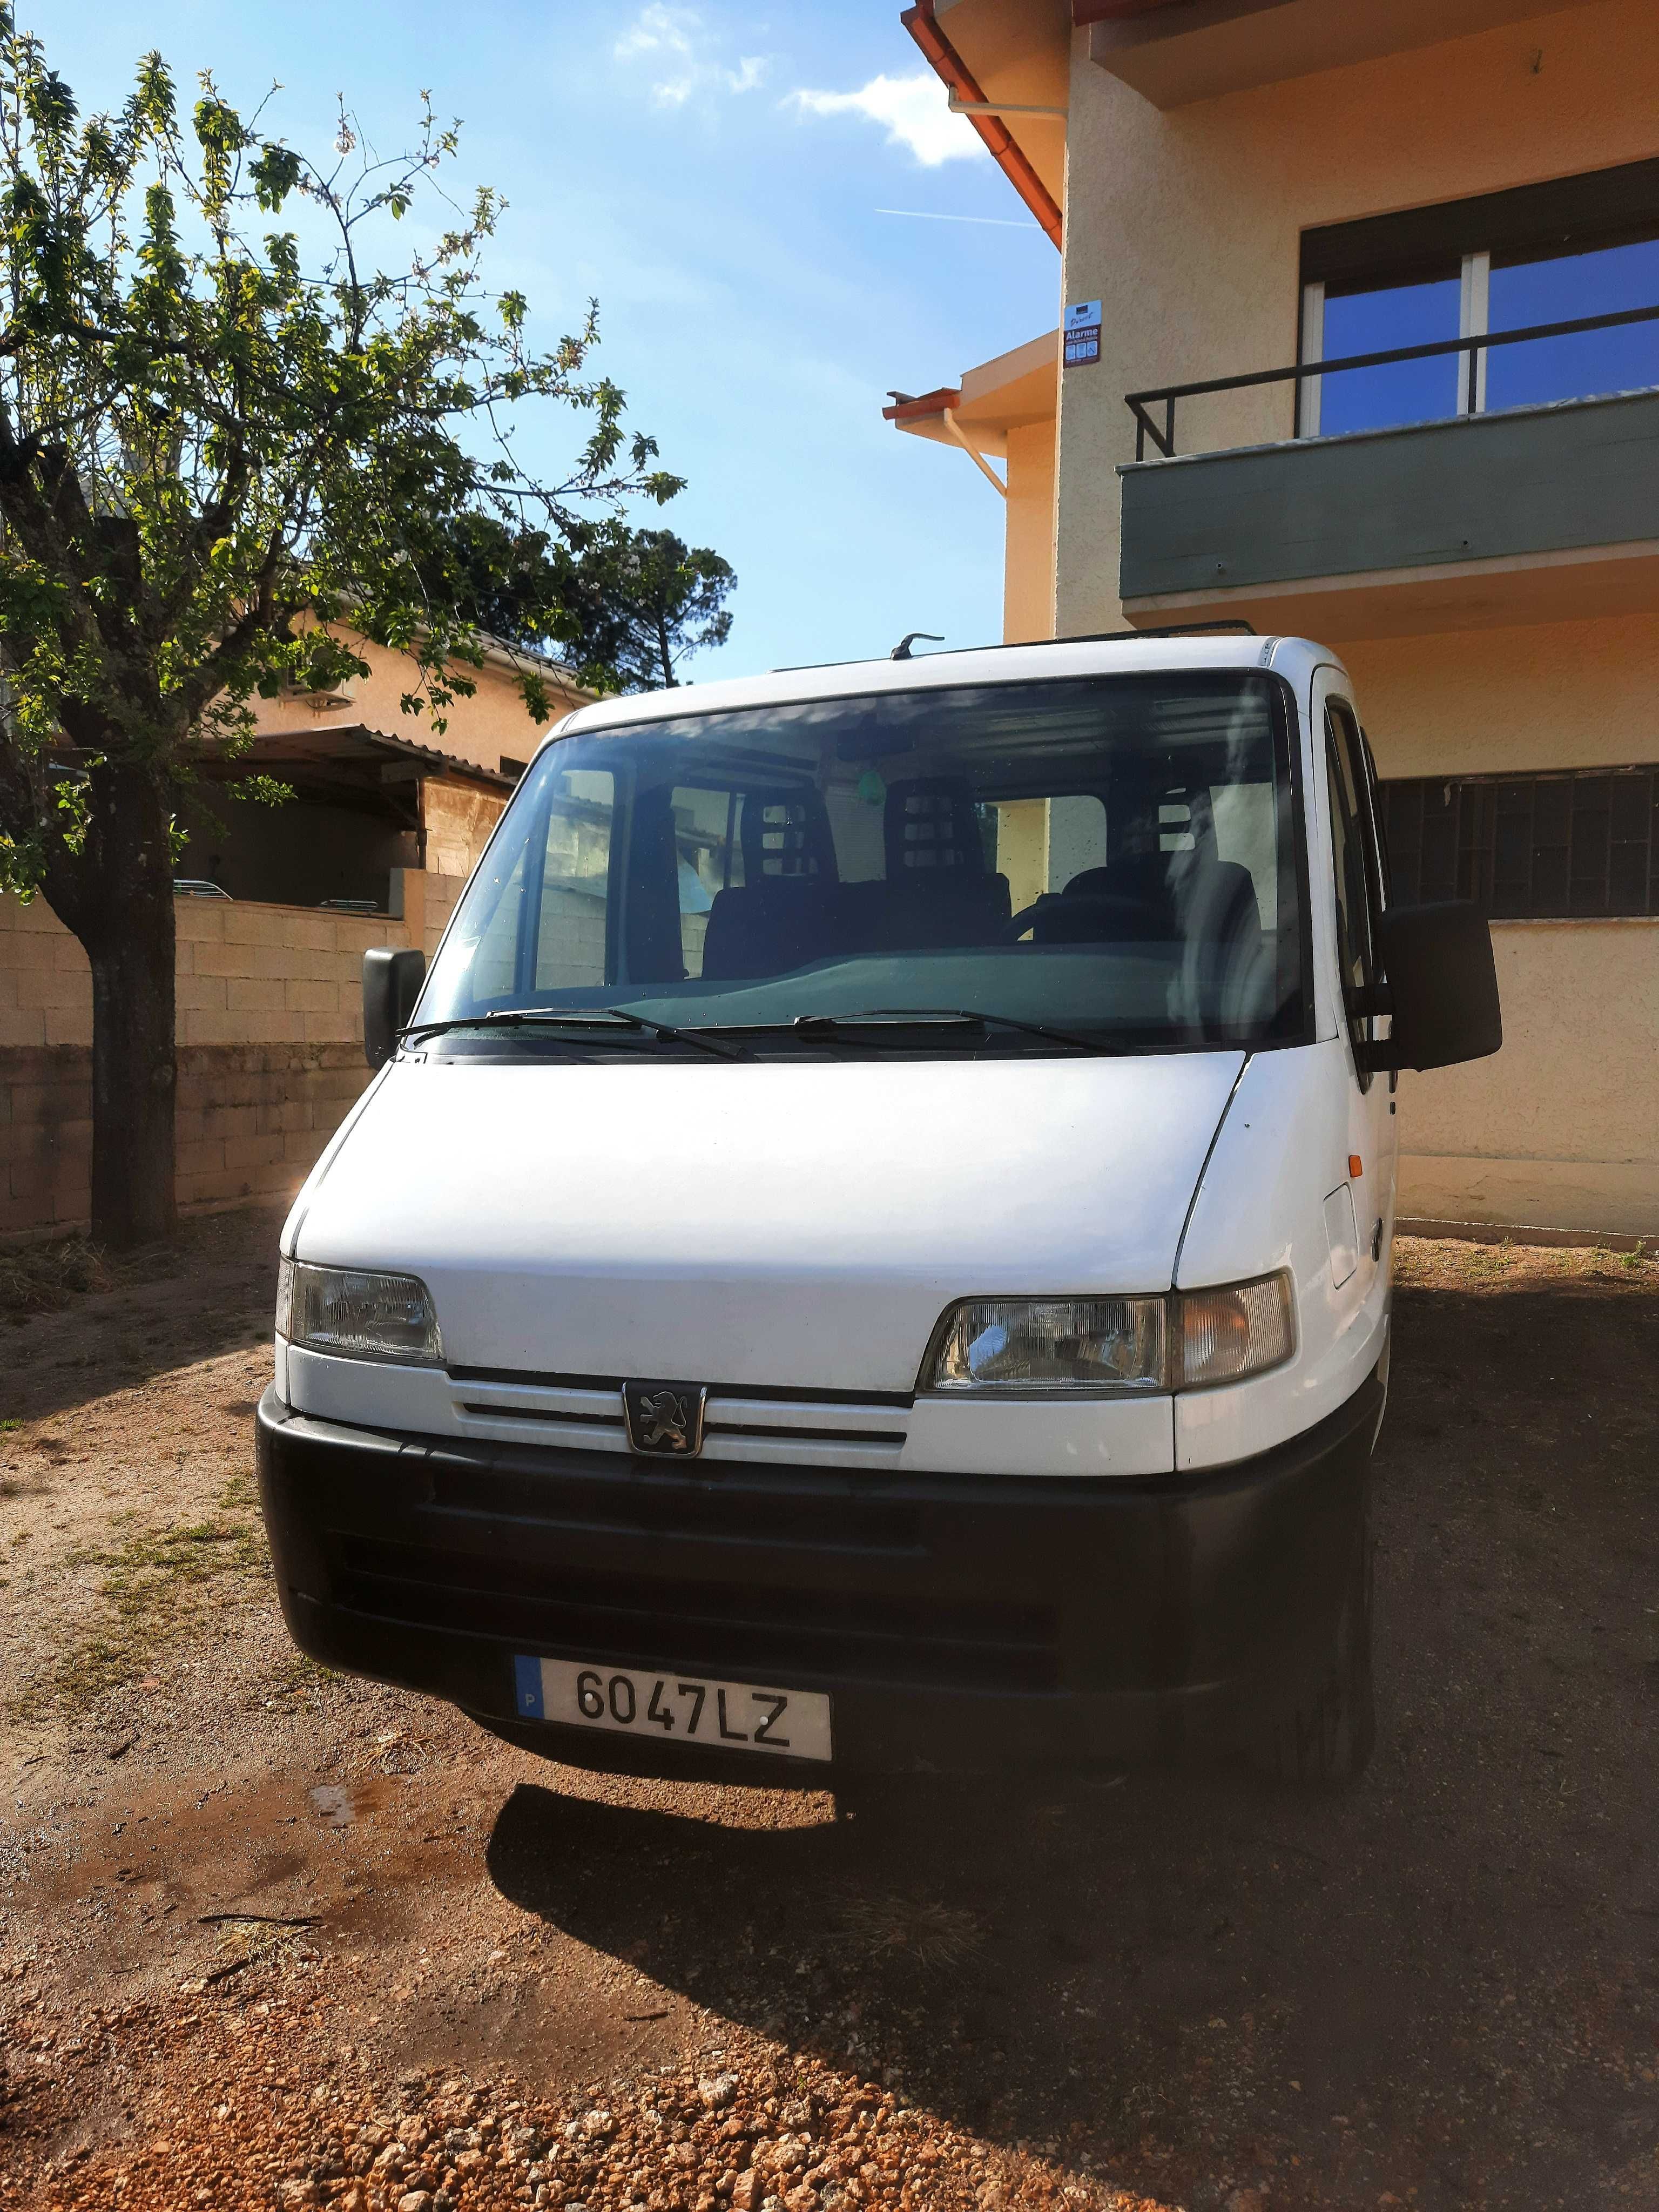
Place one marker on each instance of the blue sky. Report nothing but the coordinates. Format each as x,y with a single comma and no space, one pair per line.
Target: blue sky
713,174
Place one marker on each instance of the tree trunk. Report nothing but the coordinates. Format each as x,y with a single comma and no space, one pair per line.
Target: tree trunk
120,907
134,1076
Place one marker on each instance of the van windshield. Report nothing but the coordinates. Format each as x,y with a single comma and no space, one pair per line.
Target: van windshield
1115,856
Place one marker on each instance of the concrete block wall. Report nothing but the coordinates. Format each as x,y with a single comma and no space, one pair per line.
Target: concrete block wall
45,993
269,1033
46,1135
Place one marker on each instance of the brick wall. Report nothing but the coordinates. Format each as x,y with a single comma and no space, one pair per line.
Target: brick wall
270,1031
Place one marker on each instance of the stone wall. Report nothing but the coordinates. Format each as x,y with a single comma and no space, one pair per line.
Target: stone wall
270,1031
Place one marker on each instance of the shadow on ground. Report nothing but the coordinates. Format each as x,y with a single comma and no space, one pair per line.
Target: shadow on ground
1443,1981
211,1292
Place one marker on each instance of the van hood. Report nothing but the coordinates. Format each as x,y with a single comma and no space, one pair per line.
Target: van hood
799,1225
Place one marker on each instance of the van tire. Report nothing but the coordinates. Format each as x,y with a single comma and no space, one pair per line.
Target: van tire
1327,1734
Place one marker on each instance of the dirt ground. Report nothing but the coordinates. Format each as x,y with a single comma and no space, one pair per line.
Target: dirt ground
269,1937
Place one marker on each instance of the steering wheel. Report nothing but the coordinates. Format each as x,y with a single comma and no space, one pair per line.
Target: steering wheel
1101,905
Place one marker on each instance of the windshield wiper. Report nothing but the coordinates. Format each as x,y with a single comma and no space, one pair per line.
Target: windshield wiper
831,1027
593,1017
973,1015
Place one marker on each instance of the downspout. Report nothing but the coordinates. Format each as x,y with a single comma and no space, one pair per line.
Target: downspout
948,64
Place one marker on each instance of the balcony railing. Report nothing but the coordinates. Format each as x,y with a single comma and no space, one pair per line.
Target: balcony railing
1304,372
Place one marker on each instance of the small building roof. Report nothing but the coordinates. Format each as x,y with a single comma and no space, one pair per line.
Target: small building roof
352,761
1019,387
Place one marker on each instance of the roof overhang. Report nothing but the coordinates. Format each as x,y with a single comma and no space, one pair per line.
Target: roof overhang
353,766
1017,51
1172,51
1009,394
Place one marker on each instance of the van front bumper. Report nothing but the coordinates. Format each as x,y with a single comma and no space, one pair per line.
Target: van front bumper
959,1623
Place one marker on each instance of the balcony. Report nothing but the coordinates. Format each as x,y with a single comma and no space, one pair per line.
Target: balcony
1537,513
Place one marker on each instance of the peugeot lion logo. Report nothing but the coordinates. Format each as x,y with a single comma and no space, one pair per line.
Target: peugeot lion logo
664,1419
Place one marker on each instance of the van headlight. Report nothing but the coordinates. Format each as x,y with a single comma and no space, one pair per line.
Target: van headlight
1052,1344
356,1315
1188,1341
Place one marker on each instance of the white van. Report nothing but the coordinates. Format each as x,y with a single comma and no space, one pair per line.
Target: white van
870,1249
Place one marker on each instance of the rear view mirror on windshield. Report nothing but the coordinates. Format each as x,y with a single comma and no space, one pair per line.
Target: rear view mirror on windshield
1441,986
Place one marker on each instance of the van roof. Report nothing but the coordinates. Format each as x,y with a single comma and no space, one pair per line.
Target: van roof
1295,657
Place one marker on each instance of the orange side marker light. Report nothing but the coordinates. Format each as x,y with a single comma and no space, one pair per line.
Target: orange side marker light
1355,1166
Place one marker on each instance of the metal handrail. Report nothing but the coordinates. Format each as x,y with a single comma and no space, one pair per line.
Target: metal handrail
1138,402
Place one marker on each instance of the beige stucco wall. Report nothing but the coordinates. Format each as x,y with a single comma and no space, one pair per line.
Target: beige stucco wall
1554,694
1028,594
1561,1129
491,725
1557,1130
1186,224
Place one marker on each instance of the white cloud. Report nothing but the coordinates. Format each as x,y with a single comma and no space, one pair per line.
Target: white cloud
915,110
672,40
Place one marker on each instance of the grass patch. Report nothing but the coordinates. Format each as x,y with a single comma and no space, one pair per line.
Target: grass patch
1443,1263
932,1933
1489,1259
44,1278
153,1586
299,1672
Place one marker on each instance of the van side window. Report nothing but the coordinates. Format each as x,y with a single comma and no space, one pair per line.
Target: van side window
567,927
1356,872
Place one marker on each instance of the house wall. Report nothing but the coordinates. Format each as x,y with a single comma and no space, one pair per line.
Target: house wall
1186,224
270,1031
1561,1129
1557,1130
1028,598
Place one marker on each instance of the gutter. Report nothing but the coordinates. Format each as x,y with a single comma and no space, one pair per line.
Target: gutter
930,404
948,65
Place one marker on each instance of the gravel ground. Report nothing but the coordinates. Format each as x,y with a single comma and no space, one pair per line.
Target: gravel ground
271,1937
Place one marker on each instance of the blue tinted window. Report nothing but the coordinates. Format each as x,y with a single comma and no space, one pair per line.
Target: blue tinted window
1557,291
1407,390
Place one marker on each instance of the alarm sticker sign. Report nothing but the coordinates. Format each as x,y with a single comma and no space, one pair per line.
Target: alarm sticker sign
1082,332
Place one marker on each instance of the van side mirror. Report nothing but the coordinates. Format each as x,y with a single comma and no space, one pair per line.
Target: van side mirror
1441,986
392,983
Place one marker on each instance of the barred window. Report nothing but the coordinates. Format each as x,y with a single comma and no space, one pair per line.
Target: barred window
1525,846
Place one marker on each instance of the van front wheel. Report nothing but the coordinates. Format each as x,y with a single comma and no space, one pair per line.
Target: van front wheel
1326,1733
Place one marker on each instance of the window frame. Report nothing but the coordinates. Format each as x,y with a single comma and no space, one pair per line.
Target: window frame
1565,216
1345,738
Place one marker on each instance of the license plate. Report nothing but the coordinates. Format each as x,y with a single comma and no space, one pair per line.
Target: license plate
678,1708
